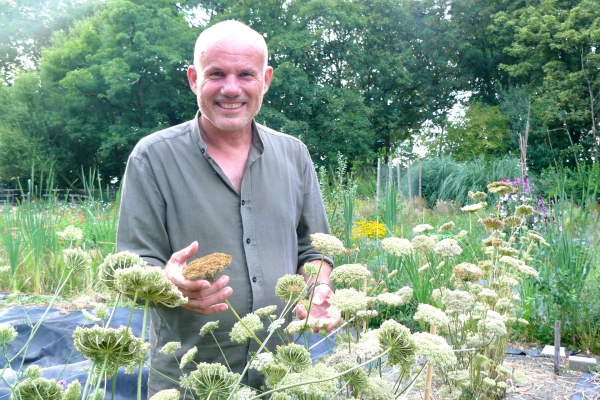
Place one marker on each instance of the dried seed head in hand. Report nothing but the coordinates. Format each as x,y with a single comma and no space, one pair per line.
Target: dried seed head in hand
207,267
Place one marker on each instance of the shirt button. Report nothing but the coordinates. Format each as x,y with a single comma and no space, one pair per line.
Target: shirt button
248,240
202,151
254,279
243,202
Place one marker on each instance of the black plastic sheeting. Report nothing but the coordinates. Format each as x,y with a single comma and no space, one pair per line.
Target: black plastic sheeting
52,348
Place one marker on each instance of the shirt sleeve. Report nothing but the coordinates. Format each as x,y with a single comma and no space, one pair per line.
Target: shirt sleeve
313,218
142,219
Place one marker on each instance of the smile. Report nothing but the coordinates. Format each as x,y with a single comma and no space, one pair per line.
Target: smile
230,106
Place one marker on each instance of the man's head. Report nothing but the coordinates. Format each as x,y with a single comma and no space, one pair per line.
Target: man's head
230,75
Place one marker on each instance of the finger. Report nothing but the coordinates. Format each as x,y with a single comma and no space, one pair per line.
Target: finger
333,324
211,300
301,312
201,289
184,254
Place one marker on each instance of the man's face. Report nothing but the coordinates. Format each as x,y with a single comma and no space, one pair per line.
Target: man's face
230,82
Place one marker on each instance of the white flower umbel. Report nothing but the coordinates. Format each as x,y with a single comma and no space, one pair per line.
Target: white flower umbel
349,274
435,349
148,283
245,329
397,246
448,248
327,244
431,315
349,300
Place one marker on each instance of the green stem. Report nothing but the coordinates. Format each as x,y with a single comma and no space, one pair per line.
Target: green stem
312,295
143,338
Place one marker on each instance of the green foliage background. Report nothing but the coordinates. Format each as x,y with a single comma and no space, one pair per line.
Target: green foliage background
83,81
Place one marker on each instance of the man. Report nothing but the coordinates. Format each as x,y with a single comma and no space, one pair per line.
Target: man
222,183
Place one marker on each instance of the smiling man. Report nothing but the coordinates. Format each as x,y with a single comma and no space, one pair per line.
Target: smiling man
222,183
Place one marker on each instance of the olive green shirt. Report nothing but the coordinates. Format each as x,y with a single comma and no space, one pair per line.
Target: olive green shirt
175,193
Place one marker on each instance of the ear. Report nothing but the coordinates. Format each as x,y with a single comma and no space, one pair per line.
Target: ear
192,78
267,80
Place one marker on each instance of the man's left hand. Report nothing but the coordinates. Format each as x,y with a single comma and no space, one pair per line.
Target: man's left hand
320,304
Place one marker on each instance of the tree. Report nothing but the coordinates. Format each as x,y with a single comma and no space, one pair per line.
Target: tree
555,56
482,133
117,76
26,27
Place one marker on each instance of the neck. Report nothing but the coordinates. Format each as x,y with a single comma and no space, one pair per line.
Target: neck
219,139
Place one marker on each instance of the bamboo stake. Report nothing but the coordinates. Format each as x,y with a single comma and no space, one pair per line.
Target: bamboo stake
429,375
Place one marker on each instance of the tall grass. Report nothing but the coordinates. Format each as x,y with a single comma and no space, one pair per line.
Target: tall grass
446,179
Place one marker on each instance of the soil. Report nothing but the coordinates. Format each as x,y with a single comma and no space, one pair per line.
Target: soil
543,384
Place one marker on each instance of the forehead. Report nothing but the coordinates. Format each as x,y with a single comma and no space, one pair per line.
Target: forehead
232,51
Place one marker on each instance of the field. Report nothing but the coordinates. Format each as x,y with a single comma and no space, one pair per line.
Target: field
517,264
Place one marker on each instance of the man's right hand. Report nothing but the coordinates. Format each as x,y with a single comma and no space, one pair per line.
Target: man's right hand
203,297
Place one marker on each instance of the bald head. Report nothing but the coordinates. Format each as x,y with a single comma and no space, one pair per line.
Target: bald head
229,30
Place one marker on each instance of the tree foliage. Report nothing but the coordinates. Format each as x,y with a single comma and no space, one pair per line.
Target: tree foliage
84,80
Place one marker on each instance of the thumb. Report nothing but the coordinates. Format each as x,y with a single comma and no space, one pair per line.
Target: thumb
184,254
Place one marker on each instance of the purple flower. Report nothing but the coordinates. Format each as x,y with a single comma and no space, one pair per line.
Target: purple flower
62,383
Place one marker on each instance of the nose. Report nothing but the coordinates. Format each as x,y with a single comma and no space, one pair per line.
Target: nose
231,86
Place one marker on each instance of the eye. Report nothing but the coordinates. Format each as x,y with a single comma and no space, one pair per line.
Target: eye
216,74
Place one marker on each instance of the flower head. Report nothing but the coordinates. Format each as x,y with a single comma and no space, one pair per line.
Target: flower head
390,300
188,357
38,388
435,349
327,244
422,228
294,357
71,234
513,221
291,288
448,248
148,283
349,274
212,381
8,333
493,223
472,208
244,330
423,244
477,196
468,272
406,293
349,300
170,348
117,347
73,391
501,188
397,247
523,211
431,315
209,327
398,340
266,311
206,267
77,260
448,226
114,262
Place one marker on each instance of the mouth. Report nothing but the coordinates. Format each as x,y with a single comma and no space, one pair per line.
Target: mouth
230,106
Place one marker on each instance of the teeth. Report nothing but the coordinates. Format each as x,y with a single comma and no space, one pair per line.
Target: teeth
231,106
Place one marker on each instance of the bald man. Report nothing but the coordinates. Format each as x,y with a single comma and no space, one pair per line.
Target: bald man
222,183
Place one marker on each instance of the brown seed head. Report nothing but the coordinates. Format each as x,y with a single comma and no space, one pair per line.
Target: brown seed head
206,267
